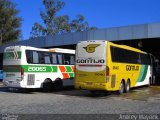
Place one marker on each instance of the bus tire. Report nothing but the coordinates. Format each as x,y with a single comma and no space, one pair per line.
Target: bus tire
47,85
127,86
58,84
12,89
122,87
93,92
150,81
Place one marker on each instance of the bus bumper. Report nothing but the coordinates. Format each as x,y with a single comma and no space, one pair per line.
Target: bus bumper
12,83
91,86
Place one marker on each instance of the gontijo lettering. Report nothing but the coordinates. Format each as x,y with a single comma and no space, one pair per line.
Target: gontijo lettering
132,68
90,61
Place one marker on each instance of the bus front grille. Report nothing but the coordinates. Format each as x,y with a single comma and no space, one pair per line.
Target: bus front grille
31,79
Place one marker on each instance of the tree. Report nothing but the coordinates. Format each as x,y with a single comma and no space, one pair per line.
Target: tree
9,22
54,24
79,24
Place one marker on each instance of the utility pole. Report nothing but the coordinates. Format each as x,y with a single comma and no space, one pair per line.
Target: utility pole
1,34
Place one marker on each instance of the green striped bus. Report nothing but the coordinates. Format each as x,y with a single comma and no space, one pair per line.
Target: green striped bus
30,67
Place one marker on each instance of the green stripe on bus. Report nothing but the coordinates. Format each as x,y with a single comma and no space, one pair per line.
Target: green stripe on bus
39,68
55,68
71,75
29,68
68,69
11,68
143,73
19,54
35,68
11,55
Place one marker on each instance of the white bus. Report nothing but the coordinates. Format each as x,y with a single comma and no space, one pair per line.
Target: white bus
30,67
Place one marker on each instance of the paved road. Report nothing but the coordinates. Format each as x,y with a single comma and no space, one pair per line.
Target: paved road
70,101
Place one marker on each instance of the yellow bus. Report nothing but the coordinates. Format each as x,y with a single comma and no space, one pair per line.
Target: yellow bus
103,65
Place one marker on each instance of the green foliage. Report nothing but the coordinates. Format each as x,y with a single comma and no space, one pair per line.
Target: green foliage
54,24
79,24
9,22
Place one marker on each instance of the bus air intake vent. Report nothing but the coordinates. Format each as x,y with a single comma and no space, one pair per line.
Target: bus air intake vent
31,79
113,81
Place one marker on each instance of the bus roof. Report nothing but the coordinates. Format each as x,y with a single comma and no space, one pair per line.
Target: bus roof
127,47
61,50
117,45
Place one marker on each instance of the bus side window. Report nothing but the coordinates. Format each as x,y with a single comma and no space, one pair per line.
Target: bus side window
29,56
139,58
60,59
47,59
41,57
144,59
66,58
35,57
54,59
72,58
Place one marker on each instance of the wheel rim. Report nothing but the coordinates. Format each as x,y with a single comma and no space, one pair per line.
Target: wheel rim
128,87
121,88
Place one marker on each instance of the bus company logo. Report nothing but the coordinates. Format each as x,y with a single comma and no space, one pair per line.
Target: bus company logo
91,48
132,68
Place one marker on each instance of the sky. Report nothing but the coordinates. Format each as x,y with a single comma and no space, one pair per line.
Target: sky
99,13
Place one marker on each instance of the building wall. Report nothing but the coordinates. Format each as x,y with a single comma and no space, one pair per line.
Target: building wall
111,34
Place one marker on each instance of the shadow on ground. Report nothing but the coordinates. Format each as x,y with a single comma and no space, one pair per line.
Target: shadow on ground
142,93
